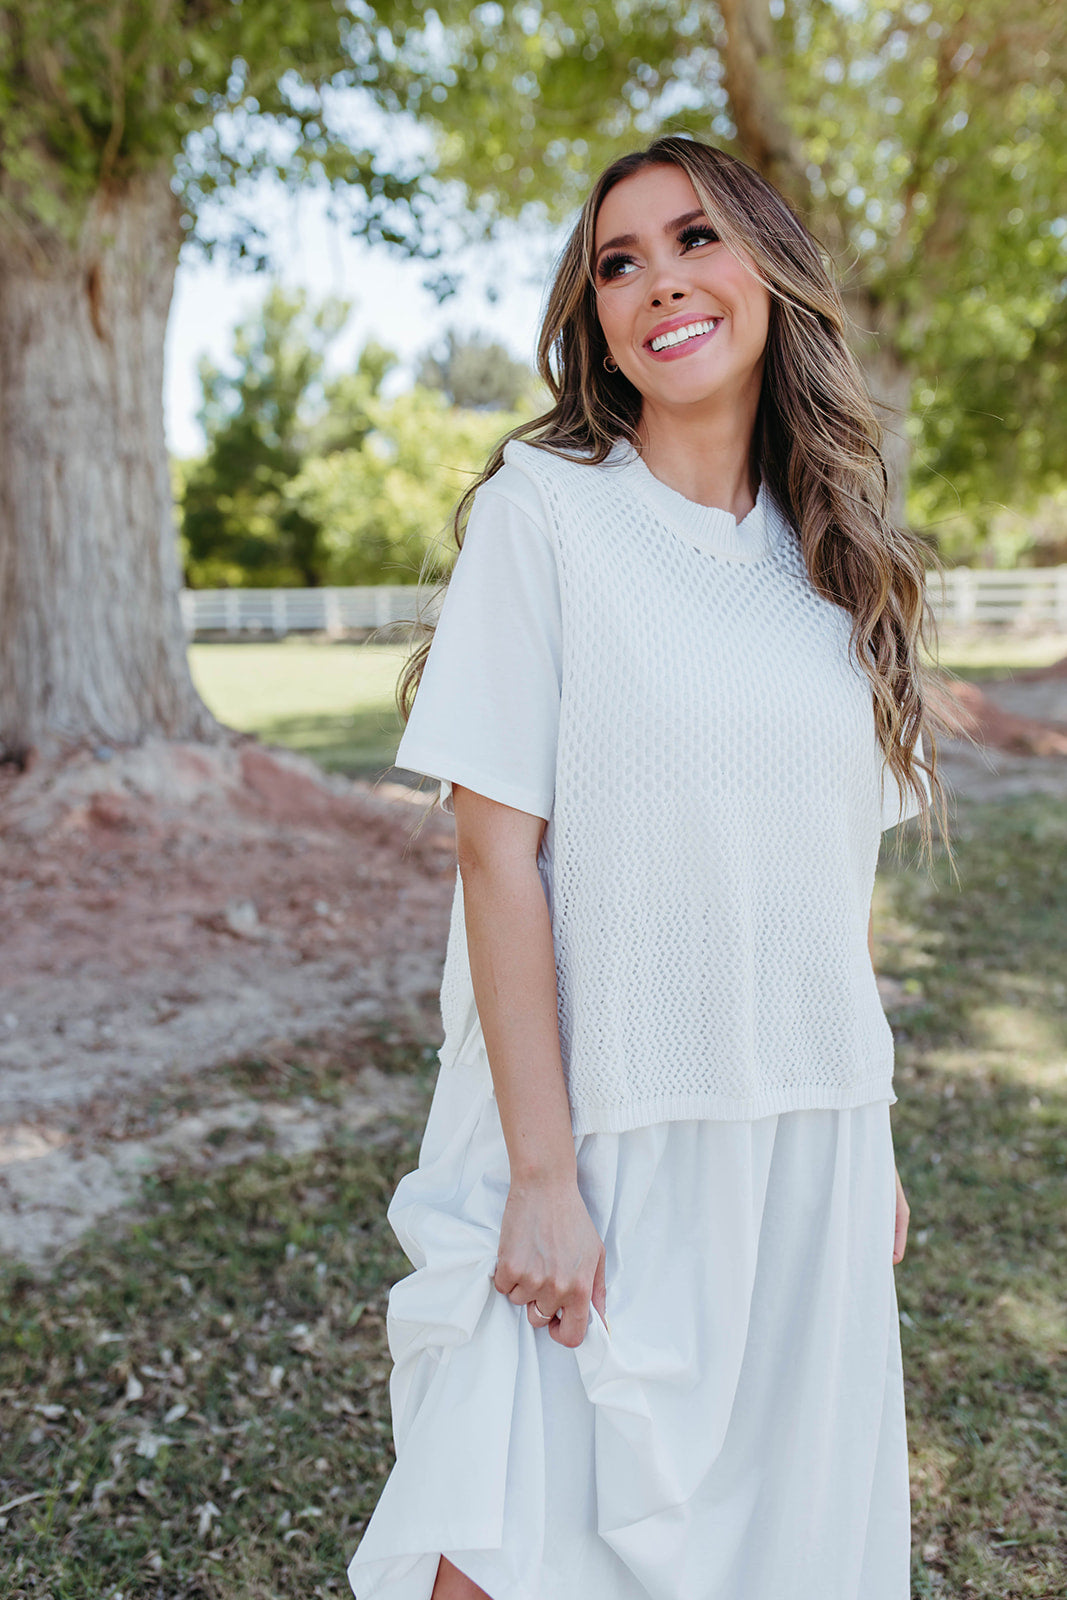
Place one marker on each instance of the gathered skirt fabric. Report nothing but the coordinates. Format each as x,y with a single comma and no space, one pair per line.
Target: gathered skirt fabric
735,1432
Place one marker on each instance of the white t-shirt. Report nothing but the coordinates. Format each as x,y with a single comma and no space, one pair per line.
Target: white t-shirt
664,686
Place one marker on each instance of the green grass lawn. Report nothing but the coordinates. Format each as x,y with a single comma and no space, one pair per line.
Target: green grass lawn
200,1408
335,701
331,701
978,655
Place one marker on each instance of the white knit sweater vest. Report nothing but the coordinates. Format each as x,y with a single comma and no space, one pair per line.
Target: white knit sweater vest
710,858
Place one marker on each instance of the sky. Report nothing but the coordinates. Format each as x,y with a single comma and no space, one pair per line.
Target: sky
390,304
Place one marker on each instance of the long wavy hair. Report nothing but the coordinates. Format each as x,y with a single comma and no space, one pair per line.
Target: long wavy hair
815,444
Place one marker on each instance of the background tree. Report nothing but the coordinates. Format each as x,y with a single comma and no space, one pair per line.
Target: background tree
923,139
475,372
311,479
386,504
262,420
117,123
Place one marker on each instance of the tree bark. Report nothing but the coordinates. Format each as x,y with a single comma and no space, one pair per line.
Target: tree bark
91,643
755,94
889,378
750,78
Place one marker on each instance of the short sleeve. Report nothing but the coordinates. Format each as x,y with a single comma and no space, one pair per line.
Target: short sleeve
891,812
486,711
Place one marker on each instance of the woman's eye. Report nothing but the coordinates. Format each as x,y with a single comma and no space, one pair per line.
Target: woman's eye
698,236
611,267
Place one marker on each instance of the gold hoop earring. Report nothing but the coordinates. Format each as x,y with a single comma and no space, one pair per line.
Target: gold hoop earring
610,365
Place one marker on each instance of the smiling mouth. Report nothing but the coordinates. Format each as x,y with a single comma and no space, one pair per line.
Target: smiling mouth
692,330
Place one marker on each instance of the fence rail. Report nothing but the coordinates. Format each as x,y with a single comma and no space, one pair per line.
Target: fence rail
1022,598
276,612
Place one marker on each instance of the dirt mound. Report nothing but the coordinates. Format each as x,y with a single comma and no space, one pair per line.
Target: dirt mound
174,858
172,906
1057,671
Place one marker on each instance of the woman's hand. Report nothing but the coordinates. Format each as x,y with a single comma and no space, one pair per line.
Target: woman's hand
551,1253
900,1238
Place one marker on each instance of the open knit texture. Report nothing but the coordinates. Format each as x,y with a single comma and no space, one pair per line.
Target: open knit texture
688,718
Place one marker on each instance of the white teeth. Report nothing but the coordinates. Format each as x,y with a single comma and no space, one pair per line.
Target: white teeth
680,335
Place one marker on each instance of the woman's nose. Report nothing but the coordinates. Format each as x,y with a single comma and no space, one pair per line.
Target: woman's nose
665,285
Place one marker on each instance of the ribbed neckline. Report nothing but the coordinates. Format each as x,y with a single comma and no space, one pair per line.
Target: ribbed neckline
705,527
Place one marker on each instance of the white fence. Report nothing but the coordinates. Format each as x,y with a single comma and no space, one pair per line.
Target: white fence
1025,598
276,612
1020,597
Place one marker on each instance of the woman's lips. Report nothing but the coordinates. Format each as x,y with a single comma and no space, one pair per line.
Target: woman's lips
675,351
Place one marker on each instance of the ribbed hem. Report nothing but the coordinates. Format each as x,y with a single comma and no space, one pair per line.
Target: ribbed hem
720,1108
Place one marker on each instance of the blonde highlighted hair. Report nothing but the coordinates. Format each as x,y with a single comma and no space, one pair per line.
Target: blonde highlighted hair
815,443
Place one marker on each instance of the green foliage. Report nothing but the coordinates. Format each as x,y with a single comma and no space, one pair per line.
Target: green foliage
924,140
214,90
384,508
309,480
928,148
239,523
475,372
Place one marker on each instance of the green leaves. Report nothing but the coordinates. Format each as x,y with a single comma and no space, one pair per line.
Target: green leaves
239,522
93,91
310,480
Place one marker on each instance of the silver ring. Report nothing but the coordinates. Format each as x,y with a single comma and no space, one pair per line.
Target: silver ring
541,1313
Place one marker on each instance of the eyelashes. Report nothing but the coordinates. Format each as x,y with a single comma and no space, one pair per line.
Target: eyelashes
694,230
608,265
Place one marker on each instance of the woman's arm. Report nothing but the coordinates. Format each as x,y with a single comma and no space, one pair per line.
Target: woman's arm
549,1248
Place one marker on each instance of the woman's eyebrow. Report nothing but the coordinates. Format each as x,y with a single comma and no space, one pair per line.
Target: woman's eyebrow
623,239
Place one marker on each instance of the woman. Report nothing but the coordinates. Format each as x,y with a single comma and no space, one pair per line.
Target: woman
650,1346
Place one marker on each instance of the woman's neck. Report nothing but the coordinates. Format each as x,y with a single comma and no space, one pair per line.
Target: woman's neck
707,460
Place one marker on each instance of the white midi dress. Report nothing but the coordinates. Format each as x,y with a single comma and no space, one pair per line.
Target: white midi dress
735,1430
738,1434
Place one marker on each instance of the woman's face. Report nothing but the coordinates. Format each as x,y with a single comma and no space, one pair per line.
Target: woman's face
683,317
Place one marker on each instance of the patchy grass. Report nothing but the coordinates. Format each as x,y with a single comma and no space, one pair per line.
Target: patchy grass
326,1067
979,1133
200,1408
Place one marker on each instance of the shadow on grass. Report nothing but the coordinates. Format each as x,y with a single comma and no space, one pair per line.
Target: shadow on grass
360,744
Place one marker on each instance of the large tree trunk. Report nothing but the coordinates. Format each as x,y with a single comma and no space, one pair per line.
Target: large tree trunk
750,75
91,641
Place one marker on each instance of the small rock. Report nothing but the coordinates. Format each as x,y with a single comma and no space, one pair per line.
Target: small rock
242,918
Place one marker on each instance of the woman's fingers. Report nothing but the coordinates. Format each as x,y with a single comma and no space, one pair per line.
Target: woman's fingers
900,1236
569,1329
